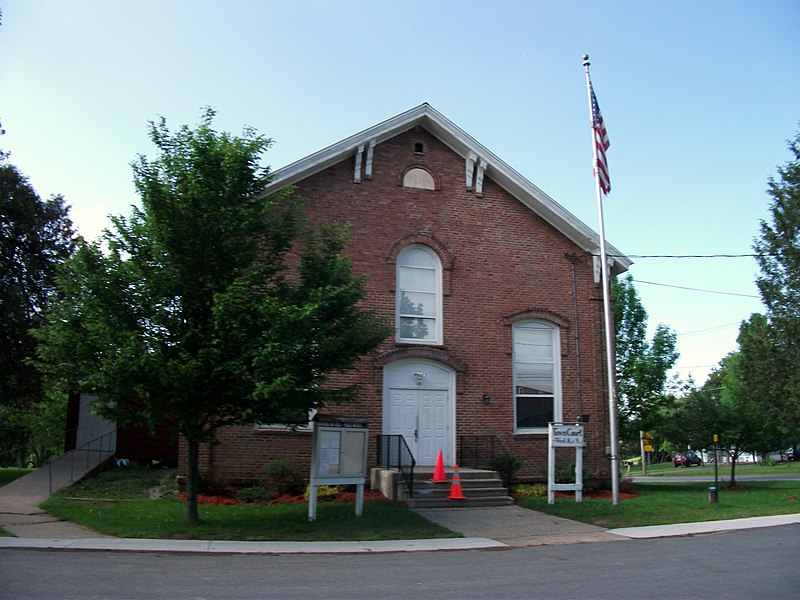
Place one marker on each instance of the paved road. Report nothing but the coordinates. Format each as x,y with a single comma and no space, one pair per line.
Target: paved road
753,564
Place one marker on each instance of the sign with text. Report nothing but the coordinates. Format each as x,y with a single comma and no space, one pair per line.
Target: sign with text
567,435
564,435
338,457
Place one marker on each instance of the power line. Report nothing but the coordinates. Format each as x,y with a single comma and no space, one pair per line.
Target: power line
709,329
691,289
693,255
688,255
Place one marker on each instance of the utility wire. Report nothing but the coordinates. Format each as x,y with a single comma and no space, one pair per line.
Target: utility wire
693,255
709,329
687,255
691,289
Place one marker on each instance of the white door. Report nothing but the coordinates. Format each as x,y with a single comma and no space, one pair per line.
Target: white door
422,414
432,437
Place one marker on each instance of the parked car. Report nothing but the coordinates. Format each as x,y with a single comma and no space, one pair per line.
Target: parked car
792,455
687,459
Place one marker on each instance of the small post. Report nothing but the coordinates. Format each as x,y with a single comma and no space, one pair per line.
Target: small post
712,498
643,453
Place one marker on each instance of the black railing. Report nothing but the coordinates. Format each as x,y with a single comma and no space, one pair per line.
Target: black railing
393,453
82,459
479,451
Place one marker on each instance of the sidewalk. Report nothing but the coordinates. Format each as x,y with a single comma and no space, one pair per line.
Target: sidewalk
483,528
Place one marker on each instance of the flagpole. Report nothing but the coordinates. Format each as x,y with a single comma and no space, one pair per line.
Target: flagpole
612,403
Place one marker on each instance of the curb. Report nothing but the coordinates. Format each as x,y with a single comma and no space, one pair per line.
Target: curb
226,547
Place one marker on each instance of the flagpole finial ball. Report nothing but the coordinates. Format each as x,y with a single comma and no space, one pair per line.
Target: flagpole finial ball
585,60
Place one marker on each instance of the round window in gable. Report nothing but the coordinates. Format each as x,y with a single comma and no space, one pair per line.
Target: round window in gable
419,178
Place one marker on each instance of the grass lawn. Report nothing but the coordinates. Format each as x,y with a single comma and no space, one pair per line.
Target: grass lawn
9,474
116,502
676,502
707,470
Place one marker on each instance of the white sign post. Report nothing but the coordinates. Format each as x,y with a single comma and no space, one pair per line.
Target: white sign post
563,435
338,457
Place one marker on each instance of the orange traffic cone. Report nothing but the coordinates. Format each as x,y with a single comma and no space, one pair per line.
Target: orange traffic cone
455,489
438,472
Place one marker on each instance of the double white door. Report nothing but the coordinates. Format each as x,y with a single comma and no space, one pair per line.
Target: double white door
421,416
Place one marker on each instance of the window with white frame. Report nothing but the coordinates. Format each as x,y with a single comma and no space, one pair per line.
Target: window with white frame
302,424
537,376
419,296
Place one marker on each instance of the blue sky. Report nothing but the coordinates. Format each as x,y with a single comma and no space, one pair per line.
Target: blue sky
699,99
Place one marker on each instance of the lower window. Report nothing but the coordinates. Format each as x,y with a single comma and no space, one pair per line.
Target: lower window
537,378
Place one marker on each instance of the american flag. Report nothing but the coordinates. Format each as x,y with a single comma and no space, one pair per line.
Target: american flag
602,144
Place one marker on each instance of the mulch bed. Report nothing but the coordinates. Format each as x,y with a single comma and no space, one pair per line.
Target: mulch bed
229,498
600,494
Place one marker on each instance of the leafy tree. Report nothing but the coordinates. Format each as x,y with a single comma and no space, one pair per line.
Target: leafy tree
641,365
32,435
212,306
762,365
35,237
778,257
739,417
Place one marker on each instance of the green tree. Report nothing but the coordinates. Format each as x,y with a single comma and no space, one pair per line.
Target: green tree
641,365
212,306
35,237
694,418
778,257
762,373
739,417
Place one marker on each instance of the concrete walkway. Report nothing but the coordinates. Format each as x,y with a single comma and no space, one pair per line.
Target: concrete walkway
483,528
516,526
20,514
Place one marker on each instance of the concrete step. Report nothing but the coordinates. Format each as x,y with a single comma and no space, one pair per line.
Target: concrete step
423,473
469,491
479,487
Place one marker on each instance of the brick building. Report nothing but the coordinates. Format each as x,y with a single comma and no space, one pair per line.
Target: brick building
493,288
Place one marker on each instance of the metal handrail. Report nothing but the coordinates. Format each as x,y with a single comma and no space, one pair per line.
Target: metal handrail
479,451
394,453
104,444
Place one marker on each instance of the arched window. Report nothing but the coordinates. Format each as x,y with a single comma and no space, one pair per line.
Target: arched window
419,296
537,376
419,178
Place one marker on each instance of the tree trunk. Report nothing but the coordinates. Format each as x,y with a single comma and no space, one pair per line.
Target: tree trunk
192,482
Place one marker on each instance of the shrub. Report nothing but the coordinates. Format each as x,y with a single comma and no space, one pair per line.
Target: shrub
324,492
506,466
208,486
252,495
565,473
283,476
538,490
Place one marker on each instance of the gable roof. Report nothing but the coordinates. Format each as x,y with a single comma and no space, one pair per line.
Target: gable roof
462,144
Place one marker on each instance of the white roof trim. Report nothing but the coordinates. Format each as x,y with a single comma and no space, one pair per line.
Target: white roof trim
462,144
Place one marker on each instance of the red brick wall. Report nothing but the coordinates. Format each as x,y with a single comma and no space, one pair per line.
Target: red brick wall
501,263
